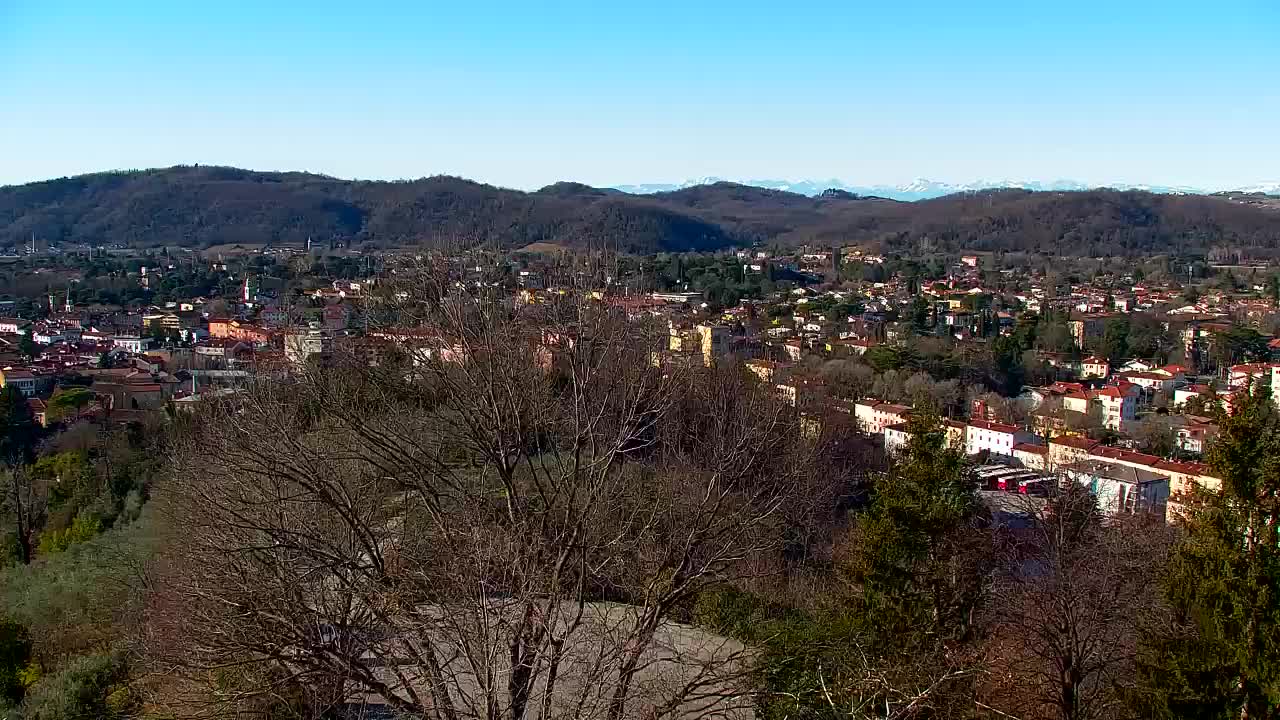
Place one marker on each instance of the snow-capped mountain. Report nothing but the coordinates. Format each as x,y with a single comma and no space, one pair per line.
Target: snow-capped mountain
1266,188
924,188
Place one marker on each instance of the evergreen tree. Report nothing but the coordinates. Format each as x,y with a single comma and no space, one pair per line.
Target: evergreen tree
1219,657
27,346
18,431
893,643
911,557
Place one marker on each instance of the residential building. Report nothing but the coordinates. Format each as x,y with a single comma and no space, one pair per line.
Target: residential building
23,380
1086,328
1242,376
1183,394
1119,405
132,343
874,416
300,345
1095,367
1069,449
1152,381
713,341
1032,455
993,437
1121,489
14,326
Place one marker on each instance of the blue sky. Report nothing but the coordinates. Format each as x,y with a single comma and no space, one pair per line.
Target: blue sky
525,93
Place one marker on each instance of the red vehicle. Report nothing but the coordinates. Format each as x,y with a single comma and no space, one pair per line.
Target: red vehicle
1038,487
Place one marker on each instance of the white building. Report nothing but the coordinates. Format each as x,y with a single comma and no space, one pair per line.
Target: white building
997,438
1119,405
1094,367
874,416
1152,381
1121,489
298,346
14,326
132,343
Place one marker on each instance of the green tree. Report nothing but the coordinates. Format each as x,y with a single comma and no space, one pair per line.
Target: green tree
1114,345
91,686
18,431
910,544
1219,657
894,639
66,402
1240,344
921,318
27,346
15,656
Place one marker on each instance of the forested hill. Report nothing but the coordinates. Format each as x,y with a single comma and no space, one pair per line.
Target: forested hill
202,206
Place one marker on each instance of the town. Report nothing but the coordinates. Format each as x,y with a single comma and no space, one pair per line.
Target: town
1103,372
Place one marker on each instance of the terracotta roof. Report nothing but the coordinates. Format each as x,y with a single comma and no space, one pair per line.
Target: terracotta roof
1186,468
1031,448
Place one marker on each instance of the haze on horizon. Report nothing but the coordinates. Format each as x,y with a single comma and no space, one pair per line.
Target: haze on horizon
1168,93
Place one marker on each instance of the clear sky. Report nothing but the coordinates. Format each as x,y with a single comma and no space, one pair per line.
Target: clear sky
525,93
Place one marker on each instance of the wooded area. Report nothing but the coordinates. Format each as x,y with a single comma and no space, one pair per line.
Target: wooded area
204,206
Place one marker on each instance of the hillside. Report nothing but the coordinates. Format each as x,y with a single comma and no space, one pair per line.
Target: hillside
203,206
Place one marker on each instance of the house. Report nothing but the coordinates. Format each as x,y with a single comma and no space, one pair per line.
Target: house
1151,381
39,410
236,330
1177,372
1121,489
1185,480
132,343
275,315
1119,405
874,416
335,316
763,369
896,436
853,346
23,380
14,326
1032,455
1195,432
1244,375
1183,394
1069,449
1138,365
1095,367
300,345
129,394
48,335
993,437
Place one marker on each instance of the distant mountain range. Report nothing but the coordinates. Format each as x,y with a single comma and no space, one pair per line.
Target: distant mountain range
925,189
210,206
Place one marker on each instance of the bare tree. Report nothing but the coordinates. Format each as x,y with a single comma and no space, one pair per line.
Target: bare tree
1065,611
26,499
505,526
